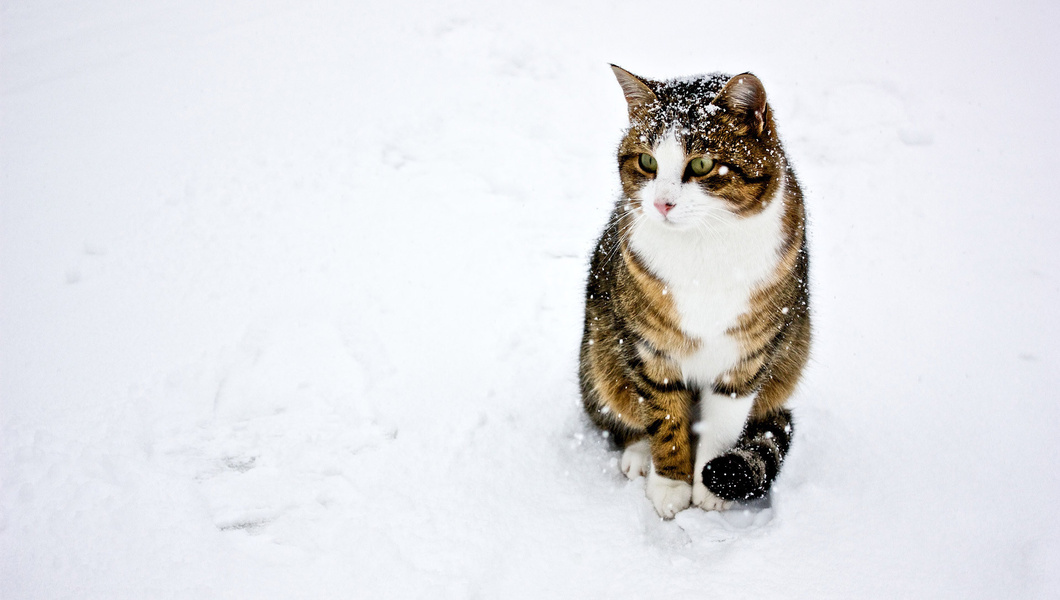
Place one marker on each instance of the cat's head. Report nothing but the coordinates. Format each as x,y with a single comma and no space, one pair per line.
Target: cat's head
699,150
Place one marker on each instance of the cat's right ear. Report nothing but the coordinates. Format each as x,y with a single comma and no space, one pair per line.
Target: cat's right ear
636,89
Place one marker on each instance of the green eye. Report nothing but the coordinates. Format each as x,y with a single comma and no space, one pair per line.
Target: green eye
648,163
700,166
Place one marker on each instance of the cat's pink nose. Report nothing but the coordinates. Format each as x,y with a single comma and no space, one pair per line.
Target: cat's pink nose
664,207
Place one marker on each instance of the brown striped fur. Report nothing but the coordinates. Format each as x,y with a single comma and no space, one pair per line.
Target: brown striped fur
633,343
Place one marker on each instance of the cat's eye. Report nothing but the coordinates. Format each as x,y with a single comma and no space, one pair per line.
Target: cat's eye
648,163
700,166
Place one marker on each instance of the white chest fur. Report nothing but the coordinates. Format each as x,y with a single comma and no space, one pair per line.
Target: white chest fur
710,273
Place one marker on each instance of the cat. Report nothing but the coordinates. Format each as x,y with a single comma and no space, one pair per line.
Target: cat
697,317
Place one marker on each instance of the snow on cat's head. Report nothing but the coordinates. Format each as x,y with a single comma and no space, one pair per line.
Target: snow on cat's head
700,151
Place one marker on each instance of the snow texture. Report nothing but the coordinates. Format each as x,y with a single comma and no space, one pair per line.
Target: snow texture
291,293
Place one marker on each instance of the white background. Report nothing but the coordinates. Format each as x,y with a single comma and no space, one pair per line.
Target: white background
290,300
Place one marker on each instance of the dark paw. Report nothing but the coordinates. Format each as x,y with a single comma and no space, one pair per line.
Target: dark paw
730,477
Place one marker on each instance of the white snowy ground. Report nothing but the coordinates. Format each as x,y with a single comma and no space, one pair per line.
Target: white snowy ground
290,300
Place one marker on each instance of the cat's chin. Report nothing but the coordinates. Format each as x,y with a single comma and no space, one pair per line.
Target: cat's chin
670,224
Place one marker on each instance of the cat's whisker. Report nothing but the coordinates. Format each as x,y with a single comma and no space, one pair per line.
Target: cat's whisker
624,222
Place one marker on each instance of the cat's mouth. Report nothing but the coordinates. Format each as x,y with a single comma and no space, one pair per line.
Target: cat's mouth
669,221
664,213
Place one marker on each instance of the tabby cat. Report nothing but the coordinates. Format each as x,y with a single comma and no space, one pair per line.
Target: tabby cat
697,322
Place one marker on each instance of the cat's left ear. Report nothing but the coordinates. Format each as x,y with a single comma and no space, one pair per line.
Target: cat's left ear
745,96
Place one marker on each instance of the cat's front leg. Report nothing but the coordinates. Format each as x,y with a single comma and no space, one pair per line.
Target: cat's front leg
721,421
668,496
666,412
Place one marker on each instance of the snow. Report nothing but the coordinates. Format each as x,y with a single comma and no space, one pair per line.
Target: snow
291,292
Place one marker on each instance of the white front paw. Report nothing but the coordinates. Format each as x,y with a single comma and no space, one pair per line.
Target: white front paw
705,499
668,496
636,459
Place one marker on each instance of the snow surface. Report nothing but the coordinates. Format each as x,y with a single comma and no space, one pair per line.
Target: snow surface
290,299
